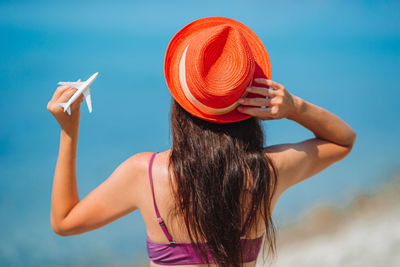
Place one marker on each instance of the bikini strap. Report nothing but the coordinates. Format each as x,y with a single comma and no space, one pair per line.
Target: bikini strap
159,219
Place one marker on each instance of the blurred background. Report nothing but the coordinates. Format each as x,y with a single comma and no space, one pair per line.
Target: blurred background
341,55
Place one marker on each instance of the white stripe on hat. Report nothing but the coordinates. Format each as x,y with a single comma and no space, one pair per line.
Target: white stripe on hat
193,100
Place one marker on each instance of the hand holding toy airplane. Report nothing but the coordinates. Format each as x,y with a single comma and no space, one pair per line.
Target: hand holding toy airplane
82,88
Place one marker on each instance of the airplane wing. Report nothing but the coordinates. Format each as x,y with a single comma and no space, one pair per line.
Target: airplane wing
86,93
73,84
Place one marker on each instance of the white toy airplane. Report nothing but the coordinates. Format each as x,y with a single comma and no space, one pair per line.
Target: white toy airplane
83,87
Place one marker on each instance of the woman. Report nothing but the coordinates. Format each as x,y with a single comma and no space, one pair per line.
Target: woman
209,199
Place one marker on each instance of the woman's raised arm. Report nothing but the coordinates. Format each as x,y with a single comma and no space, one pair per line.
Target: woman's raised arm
296,162
115,197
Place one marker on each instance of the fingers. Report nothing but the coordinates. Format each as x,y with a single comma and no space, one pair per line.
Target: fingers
261,91
59,91
66,95
273,106
56,97
77,102
254,101
271,83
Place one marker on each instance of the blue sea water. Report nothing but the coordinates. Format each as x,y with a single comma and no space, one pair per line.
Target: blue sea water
339,55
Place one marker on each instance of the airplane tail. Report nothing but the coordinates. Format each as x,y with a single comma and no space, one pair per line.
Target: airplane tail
68,109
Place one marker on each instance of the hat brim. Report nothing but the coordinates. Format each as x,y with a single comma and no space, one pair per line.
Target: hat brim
176,48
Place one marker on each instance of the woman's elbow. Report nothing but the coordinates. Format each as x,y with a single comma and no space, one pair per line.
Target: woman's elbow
58,229
349,144
352,139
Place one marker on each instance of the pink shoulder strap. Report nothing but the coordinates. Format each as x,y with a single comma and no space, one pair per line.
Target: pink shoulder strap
159,219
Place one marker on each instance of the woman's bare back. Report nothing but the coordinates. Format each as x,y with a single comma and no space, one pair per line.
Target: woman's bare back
165,202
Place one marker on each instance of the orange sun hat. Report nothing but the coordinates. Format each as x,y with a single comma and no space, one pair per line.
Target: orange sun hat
208,65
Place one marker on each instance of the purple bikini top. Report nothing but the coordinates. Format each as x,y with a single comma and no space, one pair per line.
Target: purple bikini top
183,253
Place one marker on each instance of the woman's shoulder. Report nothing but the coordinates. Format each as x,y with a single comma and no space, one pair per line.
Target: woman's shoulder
139,162
135,169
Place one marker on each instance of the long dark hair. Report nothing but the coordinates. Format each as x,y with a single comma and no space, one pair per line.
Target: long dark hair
221,174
